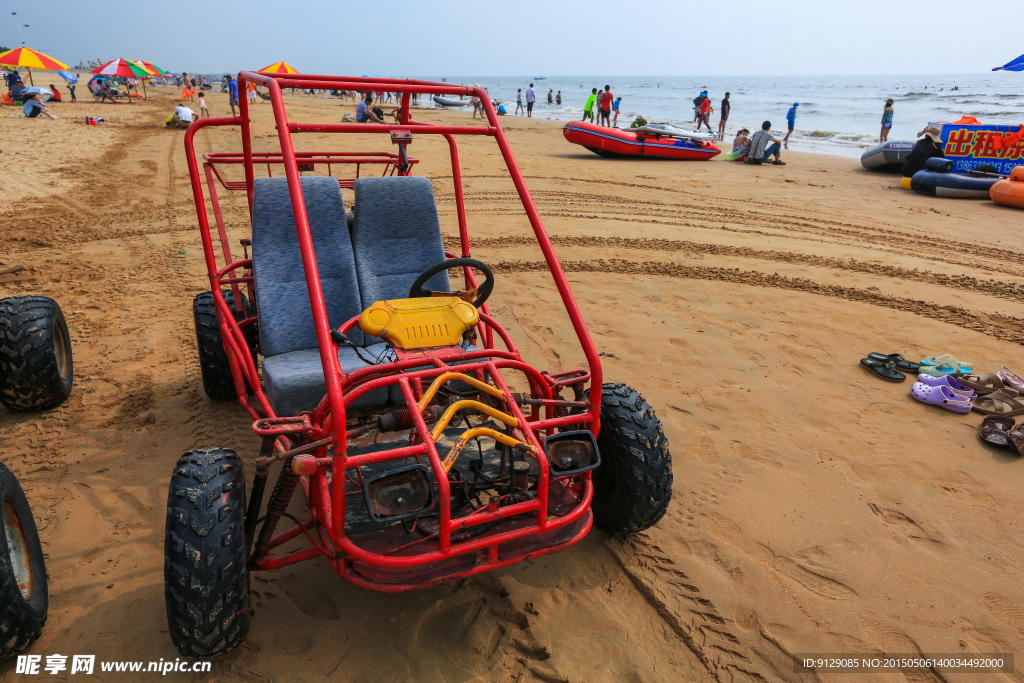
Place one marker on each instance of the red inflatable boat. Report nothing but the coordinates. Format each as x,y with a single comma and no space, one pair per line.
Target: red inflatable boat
618,142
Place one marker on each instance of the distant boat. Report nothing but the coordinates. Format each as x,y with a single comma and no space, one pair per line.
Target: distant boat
539,78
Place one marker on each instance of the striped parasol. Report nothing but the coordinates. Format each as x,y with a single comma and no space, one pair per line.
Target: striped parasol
278,68
30,59
121,68
152,67
142,65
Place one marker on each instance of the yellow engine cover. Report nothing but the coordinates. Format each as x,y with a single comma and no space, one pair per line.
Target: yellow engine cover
420,323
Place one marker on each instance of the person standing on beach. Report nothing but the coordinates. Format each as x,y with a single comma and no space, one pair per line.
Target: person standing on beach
615,107
250,87
725,116
704,110
886,120
519,101
204,113
791,120
71,87
531,97
588,108
233,95
605,110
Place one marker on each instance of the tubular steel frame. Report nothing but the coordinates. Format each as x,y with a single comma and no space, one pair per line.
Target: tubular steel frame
327,423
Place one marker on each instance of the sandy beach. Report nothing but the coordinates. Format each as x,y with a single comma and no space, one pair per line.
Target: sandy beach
816,509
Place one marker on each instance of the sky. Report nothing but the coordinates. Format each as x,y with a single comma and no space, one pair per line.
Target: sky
550,37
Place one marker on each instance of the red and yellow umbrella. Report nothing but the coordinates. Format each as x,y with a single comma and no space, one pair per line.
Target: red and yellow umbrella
278,68
30,59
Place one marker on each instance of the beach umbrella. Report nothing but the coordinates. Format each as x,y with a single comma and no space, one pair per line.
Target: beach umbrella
44,93
121,68
1015,65
68,76
278,68
152,67
30,59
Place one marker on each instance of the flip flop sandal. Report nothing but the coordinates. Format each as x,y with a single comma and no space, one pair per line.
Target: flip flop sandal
1016,441
940,396
999,403
986,384
1010,378
995,429
946,364
900,362
948,381
884,369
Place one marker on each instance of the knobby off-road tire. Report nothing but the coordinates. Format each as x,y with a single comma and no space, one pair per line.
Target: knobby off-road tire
633,485
206,583
23,592
213,360
36,368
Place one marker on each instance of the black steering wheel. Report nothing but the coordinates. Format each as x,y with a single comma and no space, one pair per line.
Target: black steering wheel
477,296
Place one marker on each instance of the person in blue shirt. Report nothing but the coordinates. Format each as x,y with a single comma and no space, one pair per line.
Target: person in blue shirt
791,120
233,95
363,112
886,120
615,108
12,78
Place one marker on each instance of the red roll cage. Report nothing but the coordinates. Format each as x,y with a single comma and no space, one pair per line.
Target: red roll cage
323,432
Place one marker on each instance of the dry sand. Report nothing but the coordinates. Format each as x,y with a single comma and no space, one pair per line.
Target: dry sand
816,508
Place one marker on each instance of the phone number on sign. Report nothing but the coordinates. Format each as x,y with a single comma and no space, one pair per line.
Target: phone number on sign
848,664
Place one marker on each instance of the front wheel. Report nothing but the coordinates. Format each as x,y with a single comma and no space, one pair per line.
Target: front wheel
23,592
633,485
206,583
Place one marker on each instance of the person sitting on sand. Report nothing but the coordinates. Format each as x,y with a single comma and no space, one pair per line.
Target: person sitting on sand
363,112
926,148
56,93
763,145
183,116
742,142
35,106
18,91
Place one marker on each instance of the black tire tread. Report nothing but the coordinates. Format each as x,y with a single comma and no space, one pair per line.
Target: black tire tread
213,359
632,433
21,621
206,583
29,373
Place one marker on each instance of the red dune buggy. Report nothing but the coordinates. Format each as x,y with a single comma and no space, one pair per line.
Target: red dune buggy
379,388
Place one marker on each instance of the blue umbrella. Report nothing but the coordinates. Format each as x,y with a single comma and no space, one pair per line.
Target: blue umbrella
68,76
1015,65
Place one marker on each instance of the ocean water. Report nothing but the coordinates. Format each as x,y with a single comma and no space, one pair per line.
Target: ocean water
837,114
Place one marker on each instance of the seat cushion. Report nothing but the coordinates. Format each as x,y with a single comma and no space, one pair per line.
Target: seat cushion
295,380
395,236
282,299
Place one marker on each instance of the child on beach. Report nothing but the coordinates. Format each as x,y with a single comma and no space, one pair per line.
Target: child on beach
886,120
615,106
791,120
519,102
588,108
703,111
204,113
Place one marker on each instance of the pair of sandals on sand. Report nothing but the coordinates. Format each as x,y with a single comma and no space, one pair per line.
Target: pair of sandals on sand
991,393
892,366
1000,430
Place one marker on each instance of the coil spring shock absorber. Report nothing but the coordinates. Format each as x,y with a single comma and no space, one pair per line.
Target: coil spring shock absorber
276,507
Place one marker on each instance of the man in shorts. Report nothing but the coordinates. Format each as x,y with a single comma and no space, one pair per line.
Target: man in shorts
531,97
588,108
605,109
233,95
791,120
725,117
251,88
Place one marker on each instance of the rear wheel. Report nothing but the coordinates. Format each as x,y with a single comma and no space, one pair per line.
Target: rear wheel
213,360
633,485
23,591
206,583
36,368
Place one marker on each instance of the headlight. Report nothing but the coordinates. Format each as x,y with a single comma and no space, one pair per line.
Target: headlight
398,494
572,452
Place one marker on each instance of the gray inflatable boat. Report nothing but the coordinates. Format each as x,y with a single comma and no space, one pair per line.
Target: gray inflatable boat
891,153
450,101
